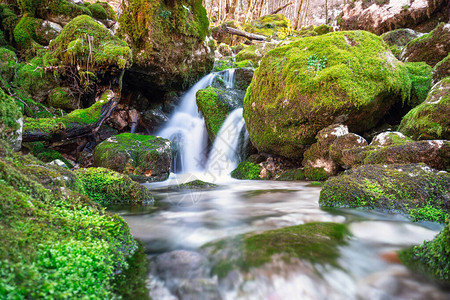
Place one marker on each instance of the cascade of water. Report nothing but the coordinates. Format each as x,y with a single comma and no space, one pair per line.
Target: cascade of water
228,78
187,131
228,145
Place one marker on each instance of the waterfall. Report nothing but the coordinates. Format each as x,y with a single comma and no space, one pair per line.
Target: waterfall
189,139
229,145
187,132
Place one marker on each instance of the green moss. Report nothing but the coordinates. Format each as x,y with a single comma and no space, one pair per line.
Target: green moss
213,109
247,171
429,120
61,97
270,25
441,69
56,242
109,187
65,10
8,21
431,258
98,12
323,29
314,242
420,74
25,33
9,115
45,154
255,53
316,174
103,51
8,66
290,175
285,105
414,189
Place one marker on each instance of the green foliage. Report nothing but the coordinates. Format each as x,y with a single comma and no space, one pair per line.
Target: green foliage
415,190
25,33
8,21
61,97
431,258
109,187
246,170
56,243
89,45
254,53
420,74
317,174
316,63
314,242
45,154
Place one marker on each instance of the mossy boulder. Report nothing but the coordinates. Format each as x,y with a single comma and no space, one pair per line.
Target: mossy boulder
170,41
8,66
61,97
243,76
277,26
432,258
430,120
46,154
215,106
74,124
317,163
10,121
341,77
247,171
317,243
441,70
389,138
255,52
400,37
108,187
8,21
98,11
54,236
140,156
413,189
90,46
344,143
430,48
292,175
421,75
224,50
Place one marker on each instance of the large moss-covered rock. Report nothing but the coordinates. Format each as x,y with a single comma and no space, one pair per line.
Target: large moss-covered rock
90,46
421,75
10,121
414,189
383,15
341,77
277,26
430,120
313,242
170,42
432,258
144,157
431,47
61,97
400,37
57,243
109,187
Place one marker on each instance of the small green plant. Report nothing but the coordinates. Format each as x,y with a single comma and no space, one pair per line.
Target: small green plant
405,7
165,14
316,63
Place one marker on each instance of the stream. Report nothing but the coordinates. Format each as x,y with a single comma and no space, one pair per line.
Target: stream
188,219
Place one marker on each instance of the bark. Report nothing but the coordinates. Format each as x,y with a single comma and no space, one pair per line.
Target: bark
250,36
281,8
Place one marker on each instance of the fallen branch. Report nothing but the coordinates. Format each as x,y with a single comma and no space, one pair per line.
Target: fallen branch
281,8
250,36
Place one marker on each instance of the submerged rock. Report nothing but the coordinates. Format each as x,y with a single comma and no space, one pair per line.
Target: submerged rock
301,88
142,156
414,189
430,120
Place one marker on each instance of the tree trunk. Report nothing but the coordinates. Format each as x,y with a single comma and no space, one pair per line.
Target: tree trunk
281,8
250,36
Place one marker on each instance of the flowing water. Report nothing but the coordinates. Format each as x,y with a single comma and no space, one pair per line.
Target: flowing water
174,233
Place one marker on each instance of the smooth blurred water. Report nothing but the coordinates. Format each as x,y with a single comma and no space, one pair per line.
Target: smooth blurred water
187,219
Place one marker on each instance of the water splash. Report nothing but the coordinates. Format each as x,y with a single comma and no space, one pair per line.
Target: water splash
228,146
